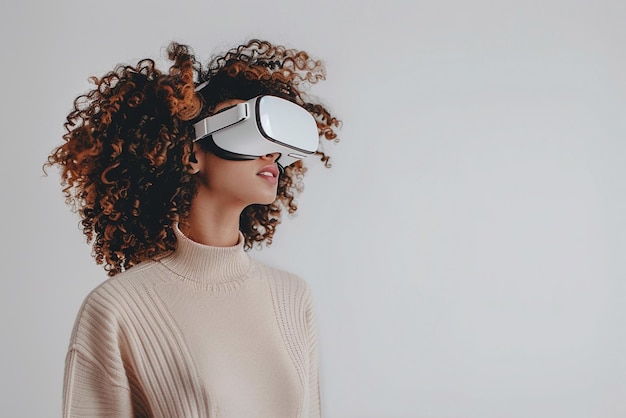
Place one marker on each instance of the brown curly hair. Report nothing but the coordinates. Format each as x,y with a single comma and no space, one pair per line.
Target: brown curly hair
125,160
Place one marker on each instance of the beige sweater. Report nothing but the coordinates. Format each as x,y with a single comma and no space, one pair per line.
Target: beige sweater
202,332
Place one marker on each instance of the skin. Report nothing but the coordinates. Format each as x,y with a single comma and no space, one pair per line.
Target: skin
225,188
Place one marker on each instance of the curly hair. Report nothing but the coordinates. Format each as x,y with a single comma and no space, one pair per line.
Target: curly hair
125,158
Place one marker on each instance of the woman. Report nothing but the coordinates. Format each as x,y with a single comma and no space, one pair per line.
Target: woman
189,325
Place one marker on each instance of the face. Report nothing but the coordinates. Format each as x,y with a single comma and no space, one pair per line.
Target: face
236,183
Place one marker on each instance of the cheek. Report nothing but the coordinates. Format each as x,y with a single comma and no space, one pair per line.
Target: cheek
223,179
238,180
217,171
227,176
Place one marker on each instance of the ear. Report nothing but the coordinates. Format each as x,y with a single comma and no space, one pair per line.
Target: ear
193,159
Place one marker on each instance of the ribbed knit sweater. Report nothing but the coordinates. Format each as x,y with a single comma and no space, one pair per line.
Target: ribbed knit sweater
202,332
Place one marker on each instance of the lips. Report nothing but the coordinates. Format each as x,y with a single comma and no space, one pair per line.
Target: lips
269,172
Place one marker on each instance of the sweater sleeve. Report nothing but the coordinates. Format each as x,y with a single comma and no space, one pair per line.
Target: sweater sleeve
95,382
314,383
89,392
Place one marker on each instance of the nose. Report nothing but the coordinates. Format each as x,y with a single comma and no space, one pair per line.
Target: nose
272,156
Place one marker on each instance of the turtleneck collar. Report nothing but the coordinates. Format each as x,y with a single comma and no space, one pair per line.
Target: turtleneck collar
207,264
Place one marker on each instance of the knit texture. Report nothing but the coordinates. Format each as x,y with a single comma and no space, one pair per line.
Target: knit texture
203,332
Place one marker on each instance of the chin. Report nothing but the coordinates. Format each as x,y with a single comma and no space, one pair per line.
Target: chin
267,199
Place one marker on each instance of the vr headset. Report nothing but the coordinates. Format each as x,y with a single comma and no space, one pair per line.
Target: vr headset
260,126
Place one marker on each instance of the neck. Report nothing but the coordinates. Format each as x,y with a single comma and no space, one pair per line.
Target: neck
211,267
212,222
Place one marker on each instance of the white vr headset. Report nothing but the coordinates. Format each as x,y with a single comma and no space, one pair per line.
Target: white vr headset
260,126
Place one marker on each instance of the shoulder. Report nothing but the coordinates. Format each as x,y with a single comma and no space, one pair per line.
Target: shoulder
286,287
107,305
281,277
127,282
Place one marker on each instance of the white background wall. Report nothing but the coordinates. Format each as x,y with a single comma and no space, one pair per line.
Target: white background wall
467,249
